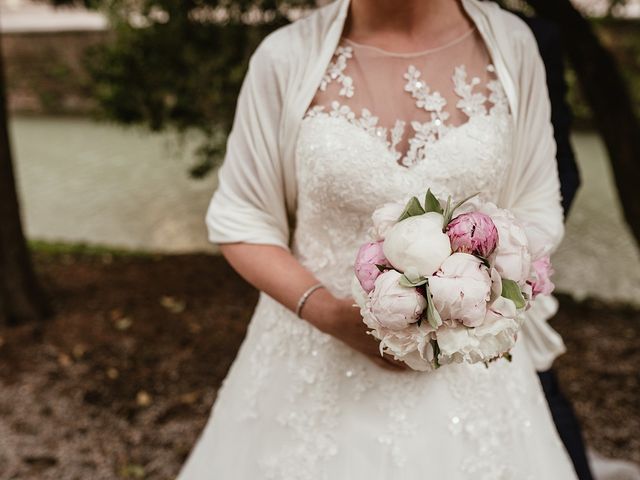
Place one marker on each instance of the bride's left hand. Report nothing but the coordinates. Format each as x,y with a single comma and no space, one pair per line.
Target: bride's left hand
342,320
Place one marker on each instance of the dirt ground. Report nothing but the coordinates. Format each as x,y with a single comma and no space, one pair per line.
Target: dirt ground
120,382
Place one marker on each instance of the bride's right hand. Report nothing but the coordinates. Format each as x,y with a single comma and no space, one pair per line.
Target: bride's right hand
342,320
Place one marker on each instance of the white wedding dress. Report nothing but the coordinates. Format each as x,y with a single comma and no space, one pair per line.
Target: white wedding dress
298,404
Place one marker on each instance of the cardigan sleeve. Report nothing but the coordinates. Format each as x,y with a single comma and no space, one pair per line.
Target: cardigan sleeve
249,204
536,200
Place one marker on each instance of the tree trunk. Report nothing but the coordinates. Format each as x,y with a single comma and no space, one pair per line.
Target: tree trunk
608,96
21,298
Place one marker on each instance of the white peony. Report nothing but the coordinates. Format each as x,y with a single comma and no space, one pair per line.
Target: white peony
457,345
511,258
497,335
391,305
418,243
385,217
461,289
420,357
412,345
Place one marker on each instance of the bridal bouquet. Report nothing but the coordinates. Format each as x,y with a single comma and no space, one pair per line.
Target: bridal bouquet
435,288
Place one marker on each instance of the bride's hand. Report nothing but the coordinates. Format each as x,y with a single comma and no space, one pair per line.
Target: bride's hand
342,320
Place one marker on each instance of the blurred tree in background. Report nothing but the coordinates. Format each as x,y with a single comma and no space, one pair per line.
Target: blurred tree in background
21,298
173,64
179,64
608,95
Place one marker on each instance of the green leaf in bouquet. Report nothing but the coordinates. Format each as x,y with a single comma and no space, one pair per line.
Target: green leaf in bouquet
431,203
447,214
511,290
484,261
433,316
411,282
412,275
507,356
450,210
436,353
412,209
383,268
462,202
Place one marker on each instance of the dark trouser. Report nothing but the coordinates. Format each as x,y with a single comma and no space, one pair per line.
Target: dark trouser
566,423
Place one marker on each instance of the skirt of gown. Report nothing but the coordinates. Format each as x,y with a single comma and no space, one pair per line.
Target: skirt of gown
299,405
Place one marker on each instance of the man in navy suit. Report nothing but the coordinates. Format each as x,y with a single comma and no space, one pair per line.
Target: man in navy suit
550,45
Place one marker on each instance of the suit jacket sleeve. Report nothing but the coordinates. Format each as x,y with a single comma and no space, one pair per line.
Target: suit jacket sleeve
549,41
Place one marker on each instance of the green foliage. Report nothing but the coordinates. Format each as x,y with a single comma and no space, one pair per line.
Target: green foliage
433,316
511,290
52,249
411,209
431,203
580,109
179,65
620,35
622,38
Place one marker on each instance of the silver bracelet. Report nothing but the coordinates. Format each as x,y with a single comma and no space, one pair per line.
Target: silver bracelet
305,296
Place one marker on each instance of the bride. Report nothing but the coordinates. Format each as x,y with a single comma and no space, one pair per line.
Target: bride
365,102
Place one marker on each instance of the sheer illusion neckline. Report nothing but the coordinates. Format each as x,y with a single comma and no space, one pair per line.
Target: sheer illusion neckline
411,101
420,53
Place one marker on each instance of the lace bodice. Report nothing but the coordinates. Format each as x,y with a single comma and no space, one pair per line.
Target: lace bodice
454,139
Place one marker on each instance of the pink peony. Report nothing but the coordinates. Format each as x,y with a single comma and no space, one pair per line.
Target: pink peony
369,256
393,306
473,233
461,289
511,257
541,282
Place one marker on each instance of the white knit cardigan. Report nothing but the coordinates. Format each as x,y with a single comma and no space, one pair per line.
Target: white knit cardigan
256,198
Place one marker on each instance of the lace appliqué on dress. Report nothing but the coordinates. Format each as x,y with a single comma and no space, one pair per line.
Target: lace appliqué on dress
319,368
335,71
488,428
433,103
471,102
366,121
